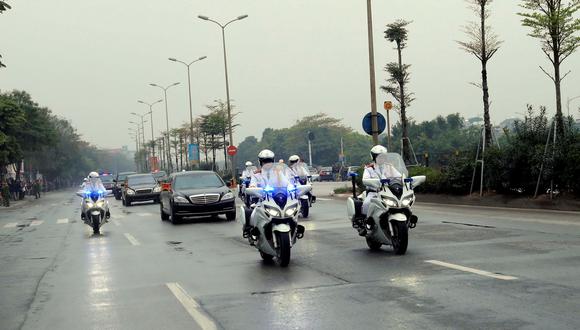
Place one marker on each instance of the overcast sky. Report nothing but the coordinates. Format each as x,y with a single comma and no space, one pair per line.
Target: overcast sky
90,61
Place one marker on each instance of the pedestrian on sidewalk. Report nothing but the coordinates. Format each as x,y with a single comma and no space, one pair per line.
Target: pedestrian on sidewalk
13,189
5,191
36,189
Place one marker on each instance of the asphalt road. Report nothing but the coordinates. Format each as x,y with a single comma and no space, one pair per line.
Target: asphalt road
466,267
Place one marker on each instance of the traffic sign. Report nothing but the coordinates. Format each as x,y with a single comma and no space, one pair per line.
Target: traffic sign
368,126
232,150
388,105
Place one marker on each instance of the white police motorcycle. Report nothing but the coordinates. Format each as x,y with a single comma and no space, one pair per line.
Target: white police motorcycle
303,177
244,184
389,216
95,209
274,219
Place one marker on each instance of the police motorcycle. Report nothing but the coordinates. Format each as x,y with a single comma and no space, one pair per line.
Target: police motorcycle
95,209
302,176
389,215
274,219
244,184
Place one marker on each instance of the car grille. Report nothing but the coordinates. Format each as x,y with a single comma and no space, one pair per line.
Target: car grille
144,191
204,199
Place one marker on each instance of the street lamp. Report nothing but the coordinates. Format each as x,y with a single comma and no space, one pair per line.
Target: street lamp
189,94
151,113
166,120
223,27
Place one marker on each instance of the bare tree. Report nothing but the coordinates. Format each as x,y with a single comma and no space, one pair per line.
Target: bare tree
553,23
483,43
399,78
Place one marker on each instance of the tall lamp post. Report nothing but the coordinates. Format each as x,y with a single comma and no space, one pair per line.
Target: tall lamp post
570,100
166,121
151,113
189,94
143,143
223,27
374,121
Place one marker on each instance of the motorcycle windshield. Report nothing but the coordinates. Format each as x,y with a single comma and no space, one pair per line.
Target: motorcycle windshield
276,176
392,166
301,170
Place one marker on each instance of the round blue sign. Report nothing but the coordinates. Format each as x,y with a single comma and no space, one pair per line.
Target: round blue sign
368,126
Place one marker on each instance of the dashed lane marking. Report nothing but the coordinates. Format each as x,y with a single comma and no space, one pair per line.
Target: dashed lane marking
323,199
132,239
11,225
36,223
62,221
144,214
472,270
192,307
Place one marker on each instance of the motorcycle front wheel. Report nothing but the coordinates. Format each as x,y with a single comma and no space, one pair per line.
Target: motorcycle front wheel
96,224
400,237
304,208
283,250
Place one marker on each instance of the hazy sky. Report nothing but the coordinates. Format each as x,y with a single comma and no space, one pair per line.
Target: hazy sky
90,61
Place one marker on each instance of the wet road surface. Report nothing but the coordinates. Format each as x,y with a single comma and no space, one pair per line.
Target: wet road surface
466,267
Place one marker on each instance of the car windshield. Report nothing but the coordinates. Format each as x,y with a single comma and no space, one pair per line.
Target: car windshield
197,181
106,179
159,174
326,169
141,179
123,176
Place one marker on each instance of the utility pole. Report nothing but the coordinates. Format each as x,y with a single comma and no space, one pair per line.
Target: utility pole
374,121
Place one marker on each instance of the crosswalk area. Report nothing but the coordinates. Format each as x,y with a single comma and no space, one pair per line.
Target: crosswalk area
34,223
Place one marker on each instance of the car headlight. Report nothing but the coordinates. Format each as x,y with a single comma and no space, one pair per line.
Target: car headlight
180,199
130,191
272,211
157,189
291,211
228,195
407,201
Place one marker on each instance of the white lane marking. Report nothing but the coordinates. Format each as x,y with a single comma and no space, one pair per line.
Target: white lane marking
144,214
192,307
472,270
117,216
61,221
36,223
132,239
323,199
11,225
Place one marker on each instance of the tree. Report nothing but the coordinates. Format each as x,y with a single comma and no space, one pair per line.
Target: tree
399,77
553,23
483,44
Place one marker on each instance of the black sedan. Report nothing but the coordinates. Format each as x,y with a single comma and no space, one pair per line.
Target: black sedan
139,188
196,193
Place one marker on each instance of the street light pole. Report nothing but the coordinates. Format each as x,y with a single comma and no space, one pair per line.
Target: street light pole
151,113
167,121
223,27
374,122
189,94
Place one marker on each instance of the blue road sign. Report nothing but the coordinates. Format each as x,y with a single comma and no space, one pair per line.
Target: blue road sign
368,126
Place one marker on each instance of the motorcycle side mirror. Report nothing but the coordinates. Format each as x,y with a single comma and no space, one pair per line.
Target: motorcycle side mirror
80,193
418,180
255,192
372,183
408,180
302,190
166,186
385,181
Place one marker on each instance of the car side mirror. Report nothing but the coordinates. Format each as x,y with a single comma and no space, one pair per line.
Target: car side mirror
229,184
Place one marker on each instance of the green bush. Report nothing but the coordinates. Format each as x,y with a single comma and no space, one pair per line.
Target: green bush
433,183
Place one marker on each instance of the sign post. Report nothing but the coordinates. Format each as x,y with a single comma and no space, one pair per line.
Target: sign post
193,153
367,123
388,107
232,150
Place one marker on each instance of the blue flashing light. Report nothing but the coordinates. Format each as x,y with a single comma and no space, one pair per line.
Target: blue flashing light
352,174
268,189
385,181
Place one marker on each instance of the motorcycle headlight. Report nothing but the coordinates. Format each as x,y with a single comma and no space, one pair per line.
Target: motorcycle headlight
407,201
180,199
391,202
227,196
100,203
291,211
272,211
89,205
130,191
157,189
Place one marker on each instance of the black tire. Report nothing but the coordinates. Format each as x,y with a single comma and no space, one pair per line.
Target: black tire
117,196
127,202
123,202
164,216
304,208
373,245
175,219
231,216
400,237
266,257
156,201
95,223
283,251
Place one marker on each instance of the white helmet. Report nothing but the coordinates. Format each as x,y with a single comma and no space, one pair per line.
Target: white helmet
378,150
93,175
266,156
249,163
293,159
